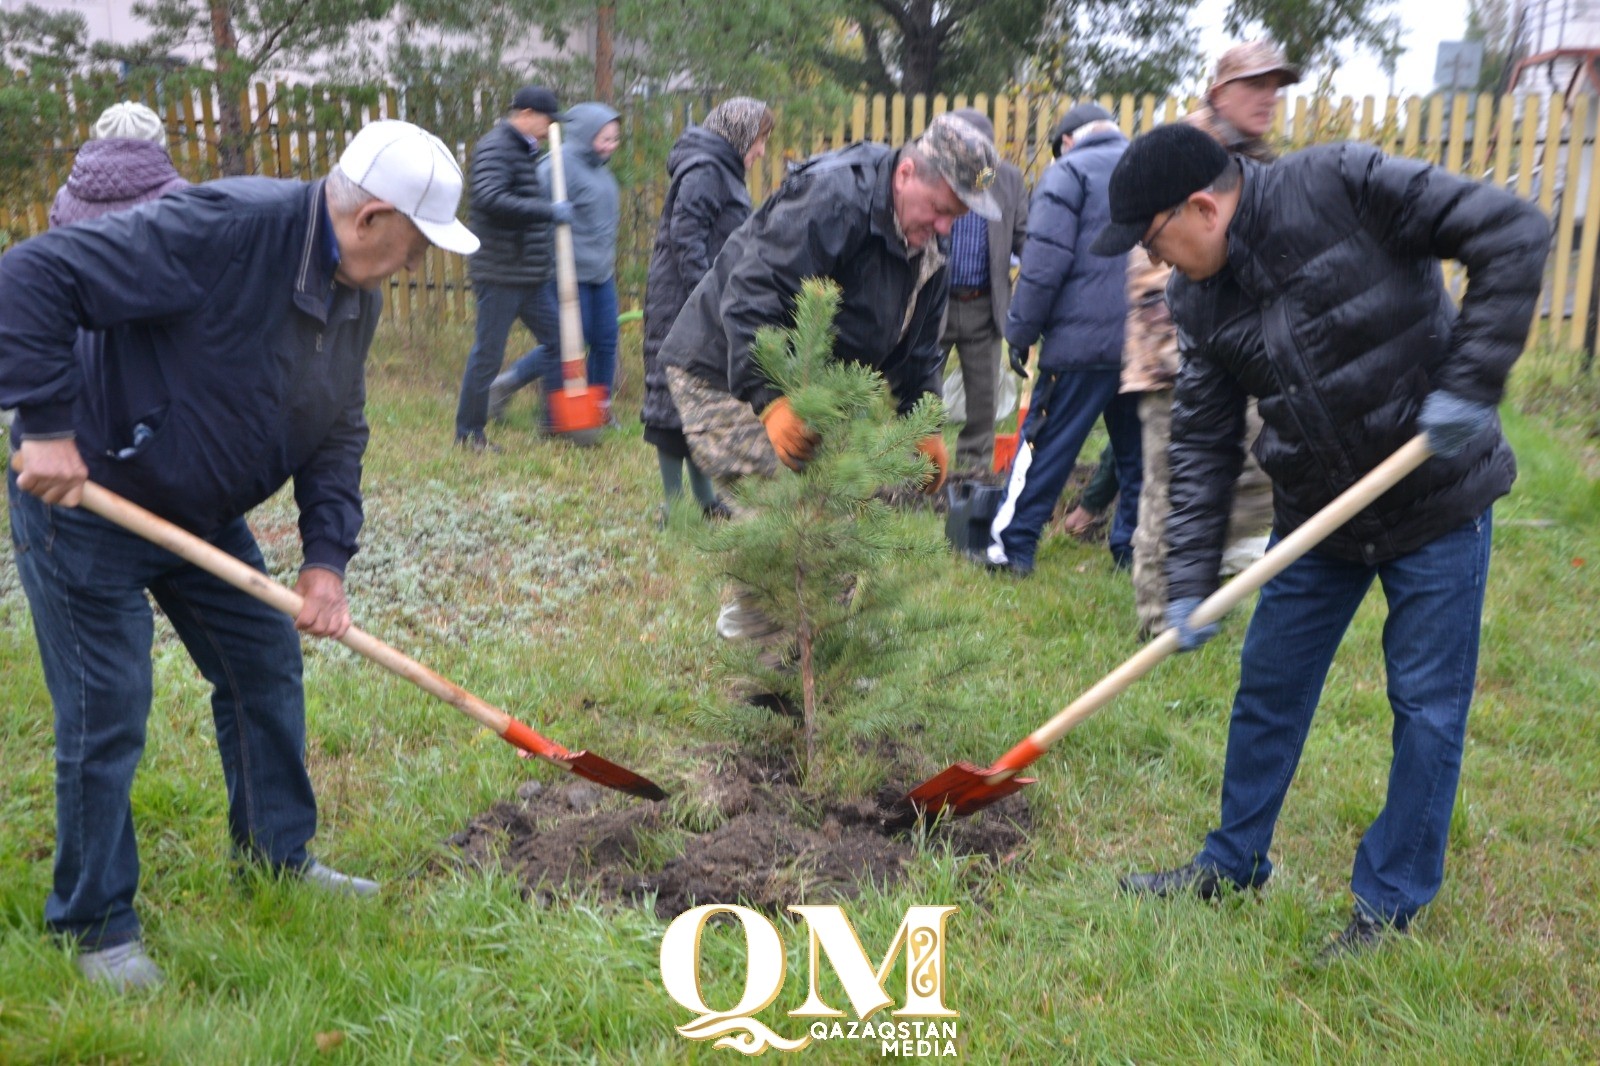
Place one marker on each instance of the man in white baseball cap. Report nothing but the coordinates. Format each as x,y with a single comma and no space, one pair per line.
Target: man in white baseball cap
231,325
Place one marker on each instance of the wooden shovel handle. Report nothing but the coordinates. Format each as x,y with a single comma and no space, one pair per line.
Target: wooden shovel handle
246,578
574,374
1313,531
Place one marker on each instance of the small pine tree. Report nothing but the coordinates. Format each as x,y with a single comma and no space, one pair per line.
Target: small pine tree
809,543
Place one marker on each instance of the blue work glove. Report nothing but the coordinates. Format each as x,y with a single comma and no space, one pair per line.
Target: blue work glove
1451,422
1019,361
1178,612
561,213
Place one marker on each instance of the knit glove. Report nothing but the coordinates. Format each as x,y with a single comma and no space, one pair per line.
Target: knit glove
1451,422
791,438
933,447
561,213
1178,612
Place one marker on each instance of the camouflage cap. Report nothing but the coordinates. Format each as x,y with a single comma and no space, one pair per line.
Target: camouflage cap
1250,59
964,158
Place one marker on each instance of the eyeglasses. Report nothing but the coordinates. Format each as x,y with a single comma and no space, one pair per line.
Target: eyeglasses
1148,243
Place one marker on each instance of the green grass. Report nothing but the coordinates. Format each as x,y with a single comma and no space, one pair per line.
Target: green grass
538,579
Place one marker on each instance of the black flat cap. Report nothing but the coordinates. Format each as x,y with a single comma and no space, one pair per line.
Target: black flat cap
1159,171
536,98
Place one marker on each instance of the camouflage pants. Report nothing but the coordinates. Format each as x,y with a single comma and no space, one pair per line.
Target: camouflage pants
726,439
1252,506
728,442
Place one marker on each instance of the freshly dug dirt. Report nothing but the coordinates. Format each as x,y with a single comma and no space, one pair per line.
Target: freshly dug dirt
751,835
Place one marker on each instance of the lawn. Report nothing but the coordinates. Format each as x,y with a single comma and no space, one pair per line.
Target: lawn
539,580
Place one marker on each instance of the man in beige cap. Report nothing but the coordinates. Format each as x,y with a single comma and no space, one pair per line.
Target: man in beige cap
1243,97
231,323
1237,112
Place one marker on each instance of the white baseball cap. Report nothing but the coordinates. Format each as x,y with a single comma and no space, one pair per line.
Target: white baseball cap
409,167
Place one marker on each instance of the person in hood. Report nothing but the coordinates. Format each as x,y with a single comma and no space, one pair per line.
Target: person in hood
706,201
125,165
590,132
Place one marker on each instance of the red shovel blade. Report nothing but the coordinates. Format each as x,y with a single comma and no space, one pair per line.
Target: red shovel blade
607,773
600,771
964,789
577,411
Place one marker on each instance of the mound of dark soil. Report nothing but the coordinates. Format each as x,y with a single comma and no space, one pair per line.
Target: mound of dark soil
752,835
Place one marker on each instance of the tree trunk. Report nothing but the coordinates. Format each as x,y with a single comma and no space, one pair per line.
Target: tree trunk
605,54
225,46
808,672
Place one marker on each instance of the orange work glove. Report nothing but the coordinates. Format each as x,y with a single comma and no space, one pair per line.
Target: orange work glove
791,438
933,447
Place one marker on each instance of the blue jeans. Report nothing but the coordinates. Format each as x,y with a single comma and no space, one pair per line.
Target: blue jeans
1430,649
498,307
1066,405
597,304
85,580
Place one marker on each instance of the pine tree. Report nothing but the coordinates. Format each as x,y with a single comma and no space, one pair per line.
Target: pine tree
808,545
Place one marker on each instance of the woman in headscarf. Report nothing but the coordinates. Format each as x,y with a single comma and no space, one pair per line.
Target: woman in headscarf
706,201
126,164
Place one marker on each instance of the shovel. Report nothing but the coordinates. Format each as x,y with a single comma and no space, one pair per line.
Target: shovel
185,545
964,788
575,409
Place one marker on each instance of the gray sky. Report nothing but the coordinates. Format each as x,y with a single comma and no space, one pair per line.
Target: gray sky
1425,25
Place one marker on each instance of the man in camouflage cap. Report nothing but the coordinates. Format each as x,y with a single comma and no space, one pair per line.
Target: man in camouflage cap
875,220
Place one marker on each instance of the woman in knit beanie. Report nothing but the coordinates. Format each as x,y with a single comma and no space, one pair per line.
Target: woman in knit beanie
706,201
125,165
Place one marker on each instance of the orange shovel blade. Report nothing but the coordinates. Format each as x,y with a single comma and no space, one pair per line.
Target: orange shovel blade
576,411
600,771
964,789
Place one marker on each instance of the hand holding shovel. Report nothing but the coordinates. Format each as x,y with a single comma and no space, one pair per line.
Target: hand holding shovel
964,788
213,560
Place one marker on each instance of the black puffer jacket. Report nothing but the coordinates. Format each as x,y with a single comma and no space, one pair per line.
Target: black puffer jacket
510,211
706,201
1333,311
832,217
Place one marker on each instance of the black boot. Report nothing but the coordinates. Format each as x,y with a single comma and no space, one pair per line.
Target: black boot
1193,879
1360,936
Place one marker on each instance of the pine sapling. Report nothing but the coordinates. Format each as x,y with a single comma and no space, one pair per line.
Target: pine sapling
807,543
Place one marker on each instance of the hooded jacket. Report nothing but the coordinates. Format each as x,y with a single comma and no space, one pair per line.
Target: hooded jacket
111,175
1071,303
592,190
833,217
706,201
1332,310
509,211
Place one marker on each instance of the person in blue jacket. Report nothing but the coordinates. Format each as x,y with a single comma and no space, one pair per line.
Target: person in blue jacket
233,325
1073,306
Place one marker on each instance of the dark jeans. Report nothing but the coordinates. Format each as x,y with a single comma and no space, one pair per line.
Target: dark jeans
498,307
597,304
1430,650
86,581
1065,407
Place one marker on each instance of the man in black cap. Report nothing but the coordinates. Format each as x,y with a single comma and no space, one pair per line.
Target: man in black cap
512,272
1073,306
1314,285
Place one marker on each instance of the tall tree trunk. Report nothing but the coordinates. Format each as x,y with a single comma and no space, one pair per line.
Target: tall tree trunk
225,46
605,54
919,64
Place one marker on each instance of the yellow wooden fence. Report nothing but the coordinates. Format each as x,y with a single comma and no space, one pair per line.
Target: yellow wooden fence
298,131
